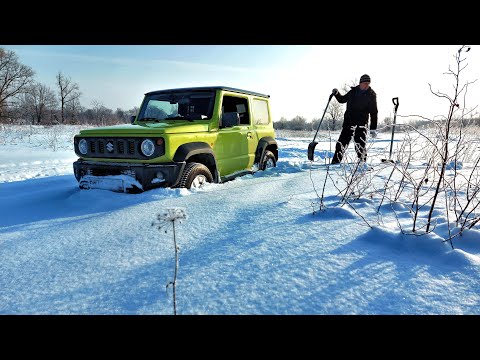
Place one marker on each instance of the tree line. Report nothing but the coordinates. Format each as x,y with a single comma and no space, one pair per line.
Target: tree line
333,119
23,100
300,123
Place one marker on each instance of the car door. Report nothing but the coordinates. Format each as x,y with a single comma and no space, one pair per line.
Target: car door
233,144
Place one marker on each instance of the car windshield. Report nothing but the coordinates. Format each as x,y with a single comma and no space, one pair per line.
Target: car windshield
187,105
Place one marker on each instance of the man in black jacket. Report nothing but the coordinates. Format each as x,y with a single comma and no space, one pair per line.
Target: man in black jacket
361,101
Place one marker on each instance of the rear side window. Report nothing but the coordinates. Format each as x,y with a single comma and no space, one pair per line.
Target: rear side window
260,112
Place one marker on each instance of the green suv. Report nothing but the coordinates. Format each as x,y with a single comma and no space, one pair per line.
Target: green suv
180,138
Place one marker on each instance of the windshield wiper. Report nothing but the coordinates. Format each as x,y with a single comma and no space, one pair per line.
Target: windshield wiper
178,117
149,119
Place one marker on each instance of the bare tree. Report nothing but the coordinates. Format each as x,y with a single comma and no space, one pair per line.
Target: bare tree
335,111
298,123
14,78
40,99
72,109
135,110
101,114
121,115
68,91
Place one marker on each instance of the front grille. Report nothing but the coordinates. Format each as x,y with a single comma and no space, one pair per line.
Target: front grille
118,148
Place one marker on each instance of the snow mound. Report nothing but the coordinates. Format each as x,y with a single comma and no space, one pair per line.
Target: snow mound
427,248
460,257
334,213
430,245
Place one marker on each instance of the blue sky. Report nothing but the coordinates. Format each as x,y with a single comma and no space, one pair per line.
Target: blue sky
299,78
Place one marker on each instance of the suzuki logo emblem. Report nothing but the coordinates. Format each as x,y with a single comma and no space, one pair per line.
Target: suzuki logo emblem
110,147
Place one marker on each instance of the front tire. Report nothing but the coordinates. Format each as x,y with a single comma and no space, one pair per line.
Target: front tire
195,175
269,161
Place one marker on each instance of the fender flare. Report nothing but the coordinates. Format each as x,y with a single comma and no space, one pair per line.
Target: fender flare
263,143
186,151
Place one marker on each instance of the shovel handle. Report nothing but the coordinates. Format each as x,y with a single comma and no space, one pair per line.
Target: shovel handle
395,102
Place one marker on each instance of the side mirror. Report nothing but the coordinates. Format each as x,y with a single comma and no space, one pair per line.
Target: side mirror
230,119
132,119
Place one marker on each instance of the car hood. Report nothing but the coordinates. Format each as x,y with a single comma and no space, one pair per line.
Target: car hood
147,128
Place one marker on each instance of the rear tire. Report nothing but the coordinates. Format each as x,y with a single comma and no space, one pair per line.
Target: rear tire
195,175
269,161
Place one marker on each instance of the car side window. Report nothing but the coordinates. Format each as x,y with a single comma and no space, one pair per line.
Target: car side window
236,104
260,112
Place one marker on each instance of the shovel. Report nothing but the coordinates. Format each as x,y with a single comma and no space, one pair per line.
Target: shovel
395,102
311,146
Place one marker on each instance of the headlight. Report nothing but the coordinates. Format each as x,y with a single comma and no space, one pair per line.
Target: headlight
83,146
148,147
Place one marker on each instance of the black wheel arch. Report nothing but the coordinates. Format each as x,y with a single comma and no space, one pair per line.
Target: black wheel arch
199,152
266,143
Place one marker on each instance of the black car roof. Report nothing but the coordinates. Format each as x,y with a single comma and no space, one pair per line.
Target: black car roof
203,88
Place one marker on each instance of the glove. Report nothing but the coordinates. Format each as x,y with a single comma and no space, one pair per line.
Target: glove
373,134
335,91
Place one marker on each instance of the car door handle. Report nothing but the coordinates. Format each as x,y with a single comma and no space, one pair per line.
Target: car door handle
249,134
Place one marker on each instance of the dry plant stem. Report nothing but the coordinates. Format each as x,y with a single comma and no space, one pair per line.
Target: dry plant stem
176,271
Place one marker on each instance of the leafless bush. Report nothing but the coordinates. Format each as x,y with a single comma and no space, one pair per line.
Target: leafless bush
436,169
53,136
352,178
422,178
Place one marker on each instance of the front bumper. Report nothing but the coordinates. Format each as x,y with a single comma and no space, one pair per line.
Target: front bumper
148,175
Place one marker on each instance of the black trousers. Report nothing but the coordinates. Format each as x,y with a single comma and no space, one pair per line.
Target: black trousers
359,134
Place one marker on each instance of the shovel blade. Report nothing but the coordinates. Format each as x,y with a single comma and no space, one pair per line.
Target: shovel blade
311,150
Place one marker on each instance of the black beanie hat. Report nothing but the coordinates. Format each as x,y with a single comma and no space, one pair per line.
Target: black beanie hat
365,78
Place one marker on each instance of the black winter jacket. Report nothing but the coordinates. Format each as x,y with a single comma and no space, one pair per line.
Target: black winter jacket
358,107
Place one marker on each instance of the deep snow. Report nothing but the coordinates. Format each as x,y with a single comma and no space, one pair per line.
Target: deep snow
249,246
